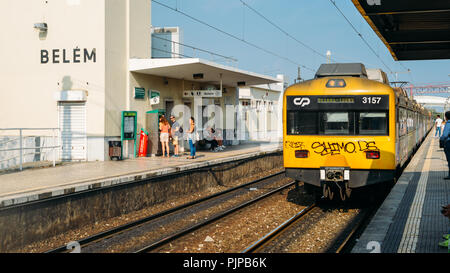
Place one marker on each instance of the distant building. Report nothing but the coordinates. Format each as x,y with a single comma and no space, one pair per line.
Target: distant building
166,42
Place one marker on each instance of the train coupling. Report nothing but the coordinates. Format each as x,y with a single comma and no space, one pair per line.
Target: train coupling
335,180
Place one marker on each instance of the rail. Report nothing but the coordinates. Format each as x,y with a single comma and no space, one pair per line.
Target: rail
129,226
278,230
55,136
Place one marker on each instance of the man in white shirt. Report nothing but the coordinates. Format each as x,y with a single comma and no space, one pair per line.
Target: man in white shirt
438,123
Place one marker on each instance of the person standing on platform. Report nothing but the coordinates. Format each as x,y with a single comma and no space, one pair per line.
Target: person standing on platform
438,124
445,138
192,138
176,133
164,127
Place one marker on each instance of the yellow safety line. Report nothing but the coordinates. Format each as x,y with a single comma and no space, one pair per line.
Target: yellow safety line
411,231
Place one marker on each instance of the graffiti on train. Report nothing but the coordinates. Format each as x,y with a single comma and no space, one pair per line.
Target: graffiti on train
337,148
294,144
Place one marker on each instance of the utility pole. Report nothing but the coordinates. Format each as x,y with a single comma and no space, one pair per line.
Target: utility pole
400,72
299,78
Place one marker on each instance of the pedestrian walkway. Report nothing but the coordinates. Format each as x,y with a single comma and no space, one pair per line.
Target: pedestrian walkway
410,219
35,184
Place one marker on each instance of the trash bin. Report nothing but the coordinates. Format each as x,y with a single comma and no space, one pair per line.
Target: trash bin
115,150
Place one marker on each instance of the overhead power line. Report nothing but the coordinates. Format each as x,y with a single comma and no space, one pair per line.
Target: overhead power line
198,49
360,35
283,31
234,36
170,52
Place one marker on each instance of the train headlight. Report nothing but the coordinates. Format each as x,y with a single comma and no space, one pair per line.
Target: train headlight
336,83
373,155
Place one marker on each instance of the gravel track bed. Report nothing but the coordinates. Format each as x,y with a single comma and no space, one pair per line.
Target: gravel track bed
146,234
236,232
317,232
101,226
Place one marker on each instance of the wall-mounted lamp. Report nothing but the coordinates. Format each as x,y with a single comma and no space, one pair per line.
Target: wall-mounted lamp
166,81
41,26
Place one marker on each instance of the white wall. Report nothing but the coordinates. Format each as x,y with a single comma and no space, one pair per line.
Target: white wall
114,29
28,86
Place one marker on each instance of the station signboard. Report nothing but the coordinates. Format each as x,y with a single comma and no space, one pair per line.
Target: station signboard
202,93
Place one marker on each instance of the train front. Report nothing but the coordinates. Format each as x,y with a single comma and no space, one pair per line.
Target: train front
339,134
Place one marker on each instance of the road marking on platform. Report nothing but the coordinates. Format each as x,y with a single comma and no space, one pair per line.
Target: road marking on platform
411,231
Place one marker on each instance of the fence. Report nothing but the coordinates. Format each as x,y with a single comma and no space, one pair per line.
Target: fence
10,141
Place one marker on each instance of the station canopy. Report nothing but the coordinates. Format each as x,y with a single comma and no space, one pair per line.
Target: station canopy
411,29
199,70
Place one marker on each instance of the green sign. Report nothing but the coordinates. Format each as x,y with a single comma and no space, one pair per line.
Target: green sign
139,93
154,97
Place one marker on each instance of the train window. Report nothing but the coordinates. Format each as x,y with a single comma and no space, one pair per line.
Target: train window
372,123
301,123
402,121
410,121
336,123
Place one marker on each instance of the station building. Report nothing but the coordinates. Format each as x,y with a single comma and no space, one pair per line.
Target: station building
77,64
262,111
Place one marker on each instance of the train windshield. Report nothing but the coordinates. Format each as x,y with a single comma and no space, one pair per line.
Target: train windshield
301,123
372,123
337,123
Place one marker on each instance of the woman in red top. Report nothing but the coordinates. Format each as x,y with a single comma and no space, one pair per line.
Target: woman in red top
164,127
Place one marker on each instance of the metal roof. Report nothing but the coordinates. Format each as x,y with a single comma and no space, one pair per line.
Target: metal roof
410,29
208,72
342,69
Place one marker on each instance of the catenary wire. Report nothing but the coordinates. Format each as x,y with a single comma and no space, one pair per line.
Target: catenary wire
234,36
196,48
171,52
283,31
360,35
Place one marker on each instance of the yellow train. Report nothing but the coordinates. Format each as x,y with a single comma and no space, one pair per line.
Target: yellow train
343,131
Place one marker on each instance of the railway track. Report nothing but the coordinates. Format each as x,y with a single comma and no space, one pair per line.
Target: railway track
278,231
339,245
203,202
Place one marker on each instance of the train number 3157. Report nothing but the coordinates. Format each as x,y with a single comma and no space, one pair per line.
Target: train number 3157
371,100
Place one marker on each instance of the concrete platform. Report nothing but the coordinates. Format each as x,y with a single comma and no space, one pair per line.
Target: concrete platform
409,220
36,184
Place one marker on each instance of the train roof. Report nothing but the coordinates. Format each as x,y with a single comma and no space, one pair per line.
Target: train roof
378,75
342,69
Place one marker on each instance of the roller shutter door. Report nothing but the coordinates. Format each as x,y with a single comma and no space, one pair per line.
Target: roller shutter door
72,121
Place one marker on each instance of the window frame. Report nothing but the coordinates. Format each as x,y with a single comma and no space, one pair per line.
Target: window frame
354,124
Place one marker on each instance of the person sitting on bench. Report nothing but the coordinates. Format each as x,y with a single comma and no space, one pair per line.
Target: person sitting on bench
211,139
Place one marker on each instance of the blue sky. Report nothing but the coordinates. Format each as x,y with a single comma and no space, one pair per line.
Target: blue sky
316,23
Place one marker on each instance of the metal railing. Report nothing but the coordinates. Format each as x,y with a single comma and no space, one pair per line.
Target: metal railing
55,136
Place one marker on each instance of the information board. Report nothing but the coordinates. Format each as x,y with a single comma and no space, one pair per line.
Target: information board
139,93
129,124
154,97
